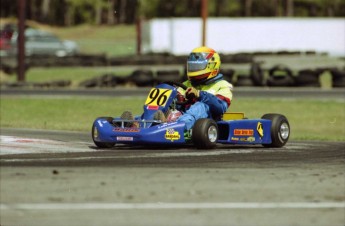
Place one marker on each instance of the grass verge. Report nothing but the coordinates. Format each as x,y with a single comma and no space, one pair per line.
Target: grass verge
309,119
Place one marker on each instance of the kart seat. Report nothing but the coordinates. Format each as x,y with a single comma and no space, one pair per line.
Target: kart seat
233,116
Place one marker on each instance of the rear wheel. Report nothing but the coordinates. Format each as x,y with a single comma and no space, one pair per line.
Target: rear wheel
280,130
205,134
94,134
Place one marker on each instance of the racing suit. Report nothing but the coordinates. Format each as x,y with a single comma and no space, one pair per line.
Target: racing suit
214,99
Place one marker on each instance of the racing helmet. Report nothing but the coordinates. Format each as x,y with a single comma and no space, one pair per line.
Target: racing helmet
203,64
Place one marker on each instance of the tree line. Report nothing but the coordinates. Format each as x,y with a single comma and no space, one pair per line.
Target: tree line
110,12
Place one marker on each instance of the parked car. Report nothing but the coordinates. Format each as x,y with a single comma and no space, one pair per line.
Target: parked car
5,39
39,43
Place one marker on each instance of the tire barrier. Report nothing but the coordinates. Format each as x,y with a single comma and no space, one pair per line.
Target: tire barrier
338,77
228,74
280,75
244,80
308,78
53,84
239,58
50,84
103,60
79,60
142,78
257,74
168,75
107,80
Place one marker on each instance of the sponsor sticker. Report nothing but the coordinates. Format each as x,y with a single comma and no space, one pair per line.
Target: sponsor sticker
243,132
151,107
126,130
172,135
248,139
124,138
166,124
260,129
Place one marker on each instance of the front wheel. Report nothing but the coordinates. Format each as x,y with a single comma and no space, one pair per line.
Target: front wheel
280,130
94,134
205,134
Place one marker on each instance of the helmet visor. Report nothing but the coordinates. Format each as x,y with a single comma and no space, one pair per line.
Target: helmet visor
197,62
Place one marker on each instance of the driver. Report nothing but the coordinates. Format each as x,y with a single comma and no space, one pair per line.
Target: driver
211,95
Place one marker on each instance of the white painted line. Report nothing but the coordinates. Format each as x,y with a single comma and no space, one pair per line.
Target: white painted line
19,145
157,206
137,156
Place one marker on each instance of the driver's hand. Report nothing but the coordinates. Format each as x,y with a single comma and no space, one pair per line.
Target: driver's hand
180,97
192,93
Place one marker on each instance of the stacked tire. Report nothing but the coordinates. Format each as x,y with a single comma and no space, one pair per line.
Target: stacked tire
308,78
106,80
142,78
280,75
168,75
257,74
338,78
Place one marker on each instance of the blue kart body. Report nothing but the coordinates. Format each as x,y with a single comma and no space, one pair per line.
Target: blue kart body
232,129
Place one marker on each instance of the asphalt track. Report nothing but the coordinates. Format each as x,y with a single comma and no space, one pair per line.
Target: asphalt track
61,178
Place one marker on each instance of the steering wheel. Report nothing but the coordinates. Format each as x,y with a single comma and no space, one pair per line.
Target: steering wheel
181,85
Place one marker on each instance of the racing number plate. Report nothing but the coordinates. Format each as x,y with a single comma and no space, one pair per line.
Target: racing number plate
158,97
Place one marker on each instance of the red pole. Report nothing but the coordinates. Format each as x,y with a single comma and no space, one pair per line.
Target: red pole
21,41
204,12
138,28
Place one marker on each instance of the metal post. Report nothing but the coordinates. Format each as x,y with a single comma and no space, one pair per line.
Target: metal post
21,41
138,29
204,12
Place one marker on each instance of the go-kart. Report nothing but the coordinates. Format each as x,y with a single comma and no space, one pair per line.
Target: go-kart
271,130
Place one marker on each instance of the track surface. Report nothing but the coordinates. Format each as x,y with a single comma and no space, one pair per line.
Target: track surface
60,178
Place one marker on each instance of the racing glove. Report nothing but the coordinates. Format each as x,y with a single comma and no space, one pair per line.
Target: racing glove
192,93
180,98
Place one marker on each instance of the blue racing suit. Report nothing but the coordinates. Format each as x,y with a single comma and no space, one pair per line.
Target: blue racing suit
214,99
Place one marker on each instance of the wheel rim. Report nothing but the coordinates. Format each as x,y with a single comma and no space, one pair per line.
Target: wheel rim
212,133
95,132
284,130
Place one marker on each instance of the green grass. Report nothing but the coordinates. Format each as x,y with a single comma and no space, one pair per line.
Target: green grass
114,40
117,40
309,119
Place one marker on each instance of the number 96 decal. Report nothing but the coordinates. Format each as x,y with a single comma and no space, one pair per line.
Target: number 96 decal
158,97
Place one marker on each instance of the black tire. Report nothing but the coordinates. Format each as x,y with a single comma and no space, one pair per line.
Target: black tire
168,75
228,74
308,78
244,80
142,78
338,78
257,74
102,144
280,130
280,75
205,134
278,81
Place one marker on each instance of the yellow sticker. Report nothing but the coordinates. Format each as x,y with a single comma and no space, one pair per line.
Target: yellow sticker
172,135
260,129
158,97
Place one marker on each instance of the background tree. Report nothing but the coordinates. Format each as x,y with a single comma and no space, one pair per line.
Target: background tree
74,12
